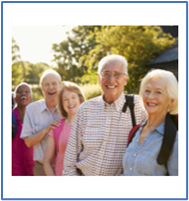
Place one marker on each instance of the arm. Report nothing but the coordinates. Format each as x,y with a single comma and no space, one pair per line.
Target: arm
73,148
28,134
49,156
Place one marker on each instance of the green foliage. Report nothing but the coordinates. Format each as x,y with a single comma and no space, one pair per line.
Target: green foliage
78,56
36,92
91,91
15,51
138,44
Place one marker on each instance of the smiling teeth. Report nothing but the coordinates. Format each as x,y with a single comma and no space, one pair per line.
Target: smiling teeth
23,97
71,106
111,87
152,104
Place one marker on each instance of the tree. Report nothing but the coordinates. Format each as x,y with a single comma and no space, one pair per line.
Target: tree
138,44
69,52
15,51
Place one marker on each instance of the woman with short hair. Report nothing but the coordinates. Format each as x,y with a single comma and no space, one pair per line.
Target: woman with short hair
22,156
159,96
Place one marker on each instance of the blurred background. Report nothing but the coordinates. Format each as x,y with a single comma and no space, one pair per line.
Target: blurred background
74,52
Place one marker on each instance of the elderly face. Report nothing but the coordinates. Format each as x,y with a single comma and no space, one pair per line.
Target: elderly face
23,96
71,102
50,85
155,97
112,81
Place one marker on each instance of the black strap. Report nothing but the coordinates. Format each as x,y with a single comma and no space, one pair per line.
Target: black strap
130,102
168,141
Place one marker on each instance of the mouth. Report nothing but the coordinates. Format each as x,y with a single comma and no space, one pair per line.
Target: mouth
23,98
111,87
51,93
152,104
71,107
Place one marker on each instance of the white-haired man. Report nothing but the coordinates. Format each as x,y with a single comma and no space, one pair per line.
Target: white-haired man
99,134
40,117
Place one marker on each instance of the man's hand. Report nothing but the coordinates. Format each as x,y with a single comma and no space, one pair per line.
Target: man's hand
52,125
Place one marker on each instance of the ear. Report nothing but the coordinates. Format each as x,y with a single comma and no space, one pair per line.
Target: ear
99,79
126,77
170,104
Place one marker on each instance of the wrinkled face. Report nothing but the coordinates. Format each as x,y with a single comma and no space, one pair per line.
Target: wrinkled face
50,85
155,97
112,80
71,102
23,96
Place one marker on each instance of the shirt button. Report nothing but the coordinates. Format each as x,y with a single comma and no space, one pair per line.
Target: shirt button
137,140
130,169
134,154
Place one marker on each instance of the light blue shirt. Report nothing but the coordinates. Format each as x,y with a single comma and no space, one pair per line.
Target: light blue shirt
141,160
37,117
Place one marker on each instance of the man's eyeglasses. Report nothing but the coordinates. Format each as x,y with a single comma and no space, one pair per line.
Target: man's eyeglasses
116,75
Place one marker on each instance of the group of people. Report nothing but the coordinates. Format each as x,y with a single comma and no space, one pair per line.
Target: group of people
65,135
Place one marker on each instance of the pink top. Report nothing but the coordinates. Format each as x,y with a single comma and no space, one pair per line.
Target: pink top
61,148
22,156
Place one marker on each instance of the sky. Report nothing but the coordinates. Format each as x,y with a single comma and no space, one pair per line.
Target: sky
35,42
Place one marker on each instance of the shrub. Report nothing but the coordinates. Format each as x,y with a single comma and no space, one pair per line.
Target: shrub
91,90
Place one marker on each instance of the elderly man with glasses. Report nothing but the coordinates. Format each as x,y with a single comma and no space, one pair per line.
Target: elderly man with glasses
99,134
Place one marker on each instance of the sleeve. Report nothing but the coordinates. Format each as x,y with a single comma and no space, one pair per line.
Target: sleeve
74,147
172,163
28,125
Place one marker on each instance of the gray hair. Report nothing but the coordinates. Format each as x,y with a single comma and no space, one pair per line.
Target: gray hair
113,58
47,72
23,83
171,86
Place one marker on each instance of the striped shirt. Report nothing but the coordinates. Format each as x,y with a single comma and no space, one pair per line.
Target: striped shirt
98,137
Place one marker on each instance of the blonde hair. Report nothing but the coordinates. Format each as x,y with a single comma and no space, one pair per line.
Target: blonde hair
113,58
171,86
70,86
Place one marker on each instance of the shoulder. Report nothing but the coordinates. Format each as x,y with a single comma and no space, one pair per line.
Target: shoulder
35,105
91,103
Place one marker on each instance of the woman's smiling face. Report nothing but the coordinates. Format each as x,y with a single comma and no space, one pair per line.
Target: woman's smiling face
155,97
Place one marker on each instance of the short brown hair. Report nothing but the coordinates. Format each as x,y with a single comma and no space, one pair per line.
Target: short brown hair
70,86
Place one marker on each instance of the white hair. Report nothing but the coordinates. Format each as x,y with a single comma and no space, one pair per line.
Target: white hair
171,86
23,83
47,72
113,58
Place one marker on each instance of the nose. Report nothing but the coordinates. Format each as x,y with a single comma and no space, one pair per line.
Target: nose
50,86
151,95
111,78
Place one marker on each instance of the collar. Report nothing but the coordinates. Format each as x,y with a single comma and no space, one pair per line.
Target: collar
160,128
118,103
44,107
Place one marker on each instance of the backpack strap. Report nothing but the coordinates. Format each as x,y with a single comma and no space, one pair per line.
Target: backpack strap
168,141
132,133
130,102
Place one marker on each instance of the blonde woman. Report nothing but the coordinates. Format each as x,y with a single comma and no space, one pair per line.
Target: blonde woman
69,99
